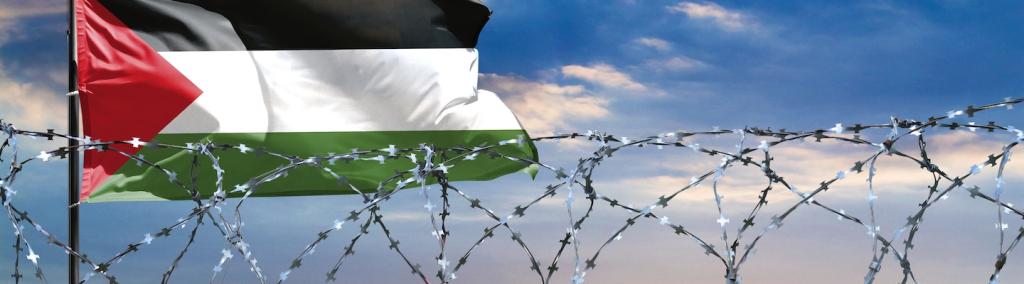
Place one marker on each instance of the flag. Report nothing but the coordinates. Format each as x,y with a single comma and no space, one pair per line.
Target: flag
297,77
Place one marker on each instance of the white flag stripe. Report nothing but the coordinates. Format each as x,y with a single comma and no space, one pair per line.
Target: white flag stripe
336,91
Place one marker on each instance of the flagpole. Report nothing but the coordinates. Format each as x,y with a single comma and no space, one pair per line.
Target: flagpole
73,154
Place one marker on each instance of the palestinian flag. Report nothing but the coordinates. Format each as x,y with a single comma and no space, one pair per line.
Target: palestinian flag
297,77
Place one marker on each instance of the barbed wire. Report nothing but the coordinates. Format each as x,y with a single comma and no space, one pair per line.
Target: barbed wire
429,177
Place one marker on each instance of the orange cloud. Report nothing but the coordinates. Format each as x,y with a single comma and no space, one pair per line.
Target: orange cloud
722,17
544,108
603,75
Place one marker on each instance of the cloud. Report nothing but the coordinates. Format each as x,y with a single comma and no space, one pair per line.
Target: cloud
29,106
545,107
675,64
603,75
807,164
11,12
58,76
728,20
655,43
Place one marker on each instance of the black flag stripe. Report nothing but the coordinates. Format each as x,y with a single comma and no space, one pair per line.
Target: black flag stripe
222,25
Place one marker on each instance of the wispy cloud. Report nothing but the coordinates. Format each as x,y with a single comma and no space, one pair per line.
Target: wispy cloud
603,75
20,8
720,16
545,107
675,64
29,105
12,12
805,165
655,43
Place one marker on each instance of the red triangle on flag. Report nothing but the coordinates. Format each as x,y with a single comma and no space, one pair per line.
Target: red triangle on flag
126,89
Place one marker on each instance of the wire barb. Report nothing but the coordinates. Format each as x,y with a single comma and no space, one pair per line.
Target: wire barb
434,164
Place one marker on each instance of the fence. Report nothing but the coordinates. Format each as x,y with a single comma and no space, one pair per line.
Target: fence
575,183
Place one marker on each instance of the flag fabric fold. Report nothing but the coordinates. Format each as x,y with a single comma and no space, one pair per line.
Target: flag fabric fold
300,77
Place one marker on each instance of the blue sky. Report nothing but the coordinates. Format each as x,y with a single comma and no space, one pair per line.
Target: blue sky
634,68
863,59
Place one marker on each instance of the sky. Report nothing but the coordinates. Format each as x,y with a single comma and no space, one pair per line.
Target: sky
633,68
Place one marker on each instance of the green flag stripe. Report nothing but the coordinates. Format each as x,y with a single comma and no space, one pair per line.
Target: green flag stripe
141,183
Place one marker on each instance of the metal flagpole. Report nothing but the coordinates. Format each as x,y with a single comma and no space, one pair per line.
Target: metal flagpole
73,154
